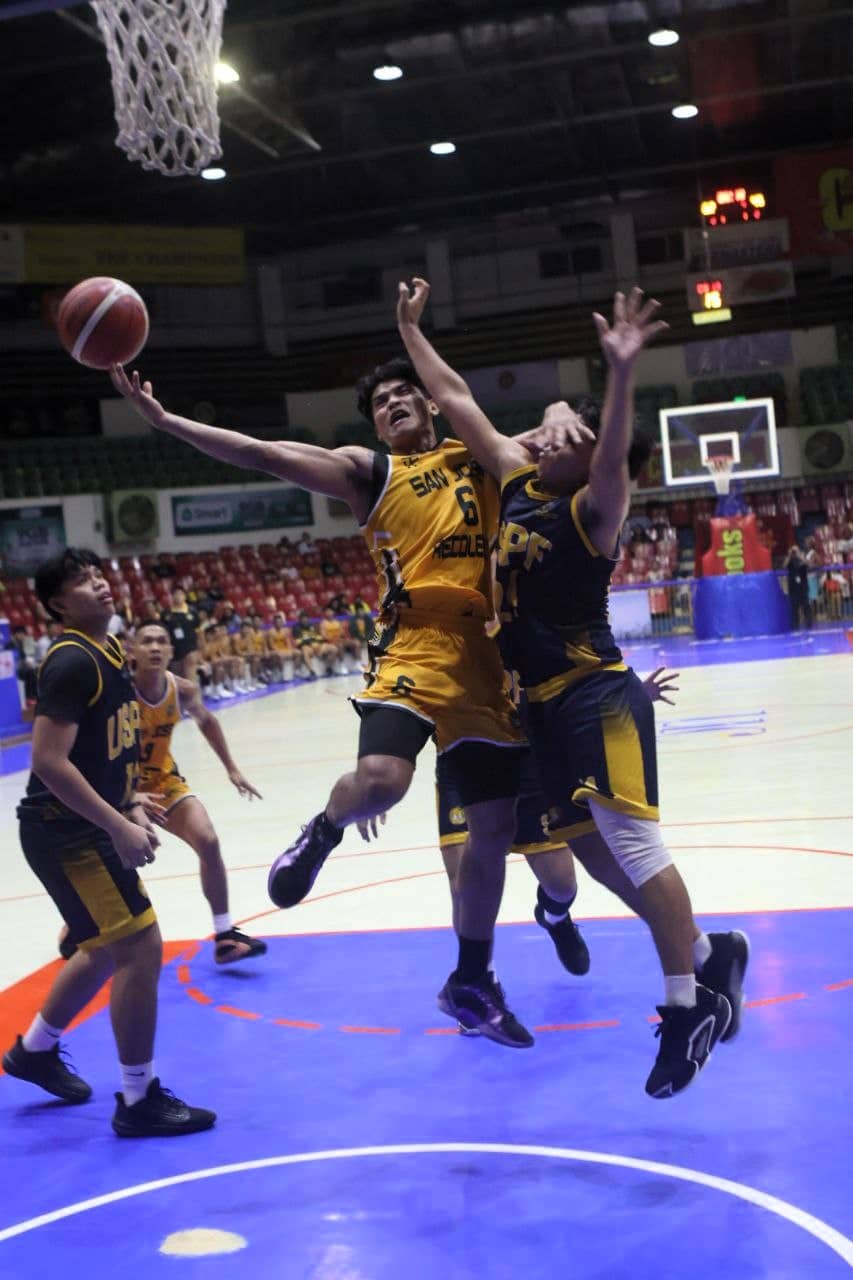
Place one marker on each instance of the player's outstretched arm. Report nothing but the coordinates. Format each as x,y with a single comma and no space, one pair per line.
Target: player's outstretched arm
633,328
191,702
337,473
450,391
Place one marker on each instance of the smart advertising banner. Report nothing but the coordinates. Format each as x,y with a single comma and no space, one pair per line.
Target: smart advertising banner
241,511
29,535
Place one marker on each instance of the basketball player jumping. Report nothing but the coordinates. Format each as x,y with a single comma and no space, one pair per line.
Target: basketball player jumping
588,718
428,512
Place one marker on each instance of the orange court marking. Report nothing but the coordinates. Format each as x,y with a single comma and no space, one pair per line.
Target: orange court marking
757,1004
238,1013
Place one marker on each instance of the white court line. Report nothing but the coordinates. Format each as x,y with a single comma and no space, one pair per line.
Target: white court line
827,1235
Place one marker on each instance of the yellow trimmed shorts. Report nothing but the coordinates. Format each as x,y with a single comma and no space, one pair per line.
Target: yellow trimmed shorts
595,739
172,787
446,671
99,899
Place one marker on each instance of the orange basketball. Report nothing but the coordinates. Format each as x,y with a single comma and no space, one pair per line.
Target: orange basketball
102,321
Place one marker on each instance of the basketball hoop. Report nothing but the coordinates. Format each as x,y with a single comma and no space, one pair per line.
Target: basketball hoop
720,468
162,56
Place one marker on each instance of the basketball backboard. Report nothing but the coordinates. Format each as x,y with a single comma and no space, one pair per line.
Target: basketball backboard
744,430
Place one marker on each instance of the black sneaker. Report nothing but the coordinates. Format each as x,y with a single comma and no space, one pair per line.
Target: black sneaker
687,1037
723,972
294,871
480,1009
159,1115
234,945
566,936
50,1070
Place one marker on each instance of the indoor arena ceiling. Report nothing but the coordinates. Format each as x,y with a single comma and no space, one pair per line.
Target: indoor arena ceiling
555,110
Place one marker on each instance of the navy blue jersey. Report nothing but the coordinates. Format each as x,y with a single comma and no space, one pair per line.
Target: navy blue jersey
552,588
87,684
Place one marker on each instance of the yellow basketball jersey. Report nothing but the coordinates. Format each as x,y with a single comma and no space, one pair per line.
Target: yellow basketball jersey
430,532
280,641
157,720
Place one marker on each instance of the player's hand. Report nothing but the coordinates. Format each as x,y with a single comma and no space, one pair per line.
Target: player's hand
136,840
633,328
560,426
140,395
150,801
370,826
242,784
411,303
661,682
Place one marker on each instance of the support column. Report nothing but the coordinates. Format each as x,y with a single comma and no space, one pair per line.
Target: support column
272,309
439,275
624,242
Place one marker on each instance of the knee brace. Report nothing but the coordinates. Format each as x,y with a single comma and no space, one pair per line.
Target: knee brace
635,843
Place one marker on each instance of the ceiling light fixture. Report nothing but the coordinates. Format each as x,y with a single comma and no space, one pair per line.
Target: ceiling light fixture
686,111
387,73
225,73
213,175
443,148
663,37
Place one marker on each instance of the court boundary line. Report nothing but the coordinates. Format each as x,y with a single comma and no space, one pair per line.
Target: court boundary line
827,1235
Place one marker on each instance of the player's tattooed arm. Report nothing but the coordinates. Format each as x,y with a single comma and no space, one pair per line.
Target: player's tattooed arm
338,473
451,393
191,702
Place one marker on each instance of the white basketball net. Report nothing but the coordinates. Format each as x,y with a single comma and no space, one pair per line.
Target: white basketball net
721,473
163,55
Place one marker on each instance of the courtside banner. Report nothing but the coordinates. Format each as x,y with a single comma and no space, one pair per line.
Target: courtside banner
241,511
141,255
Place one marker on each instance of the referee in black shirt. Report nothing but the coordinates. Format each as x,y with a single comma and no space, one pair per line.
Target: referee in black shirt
84,835
181,622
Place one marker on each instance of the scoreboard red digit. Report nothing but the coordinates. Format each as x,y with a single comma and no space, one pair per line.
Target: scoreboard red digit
731,205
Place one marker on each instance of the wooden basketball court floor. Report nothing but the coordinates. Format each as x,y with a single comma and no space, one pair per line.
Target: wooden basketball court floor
359,1137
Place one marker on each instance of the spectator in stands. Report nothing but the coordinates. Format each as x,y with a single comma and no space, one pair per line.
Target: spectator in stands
305,546
290,572
333,635
122,620
360,629
181,622
307,640
836,593
229,664
284,543
230,618
358,605
245,647
338,603
164,567
798,589
191,592
311,568
150,611
213,595
280,656
813,560
26,665
329,568
54,630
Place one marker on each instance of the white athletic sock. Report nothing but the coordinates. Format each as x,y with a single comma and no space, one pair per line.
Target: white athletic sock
680,989
701,952
135,1081
41,1036
552,919
221,924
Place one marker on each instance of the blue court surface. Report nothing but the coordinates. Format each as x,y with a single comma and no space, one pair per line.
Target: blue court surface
360,1138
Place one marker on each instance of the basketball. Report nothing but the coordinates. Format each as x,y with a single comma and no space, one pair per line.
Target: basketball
102,321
